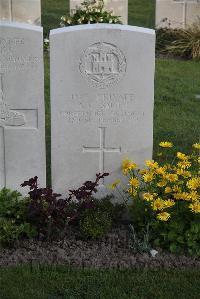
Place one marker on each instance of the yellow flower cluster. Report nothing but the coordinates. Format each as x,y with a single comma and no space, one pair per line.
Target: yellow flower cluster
165,144
196,146
127,166
163,186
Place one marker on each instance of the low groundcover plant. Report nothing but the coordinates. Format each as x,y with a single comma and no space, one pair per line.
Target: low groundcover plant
13,222
166,196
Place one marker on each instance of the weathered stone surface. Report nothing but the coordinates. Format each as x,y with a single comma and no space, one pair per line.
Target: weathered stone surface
26,11
177,13
22,127
118,7
102,95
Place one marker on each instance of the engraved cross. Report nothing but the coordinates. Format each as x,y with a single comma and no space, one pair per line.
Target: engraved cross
102,149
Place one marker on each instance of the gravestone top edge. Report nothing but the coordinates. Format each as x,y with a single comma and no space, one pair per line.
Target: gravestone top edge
102,26
20,25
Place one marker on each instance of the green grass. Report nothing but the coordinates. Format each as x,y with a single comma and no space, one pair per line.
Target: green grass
52,10
176,116
65,283
140,13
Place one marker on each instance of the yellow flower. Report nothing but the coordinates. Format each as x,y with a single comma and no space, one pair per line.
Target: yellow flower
132,191
176,188
194,196
168,189
128,165
134,182
164,216
162,183
148,177
165,144
182,196
194,183
143,171
158,204
195,207
114,184
171,177
183,172
181,156
184,164
196,146
151,163
160,170
148,196
169,203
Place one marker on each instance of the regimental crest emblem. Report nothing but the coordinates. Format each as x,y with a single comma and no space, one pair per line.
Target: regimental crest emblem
103,64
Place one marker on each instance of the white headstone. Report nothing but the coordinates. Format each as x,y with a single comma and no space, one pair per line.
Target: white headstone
26,11
177,13
102,95
118,7
22,127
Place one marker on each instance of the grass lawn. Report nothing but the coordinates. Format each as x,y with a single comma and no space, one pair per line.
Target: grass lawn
177,111
65,283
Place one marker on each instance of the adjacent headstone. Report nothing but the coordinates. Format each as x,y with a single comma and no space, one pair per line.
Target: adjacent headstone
102,95
26,11
177,13
22,127
118,7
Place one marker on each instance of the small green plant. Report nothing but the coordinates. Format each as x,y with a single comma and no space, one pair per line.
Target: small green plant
140,244
90,11
10,231
13,223
46,44
95,223
97,220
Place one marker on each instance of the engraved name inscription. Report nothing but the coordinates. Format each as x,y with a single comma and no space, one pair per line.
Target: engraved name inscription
102,109
11,58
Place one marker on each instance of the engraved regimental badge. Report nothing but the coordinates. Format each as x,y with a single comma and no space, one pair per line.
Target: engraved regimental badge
103,64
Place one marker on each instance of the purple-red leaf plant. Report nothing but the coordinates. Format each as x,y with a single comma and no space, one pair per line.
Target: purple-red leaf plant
50,214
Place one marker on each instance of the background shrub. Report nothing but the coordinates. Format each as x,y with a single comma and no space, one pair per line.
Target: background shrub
90,12
184,43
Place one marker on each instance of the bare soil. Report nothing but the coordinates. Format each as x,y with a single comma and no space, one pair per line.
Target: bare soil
112,251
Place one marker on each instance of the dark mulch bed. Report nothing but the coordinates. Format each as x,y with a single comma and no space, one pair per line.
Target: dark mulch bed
110,252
